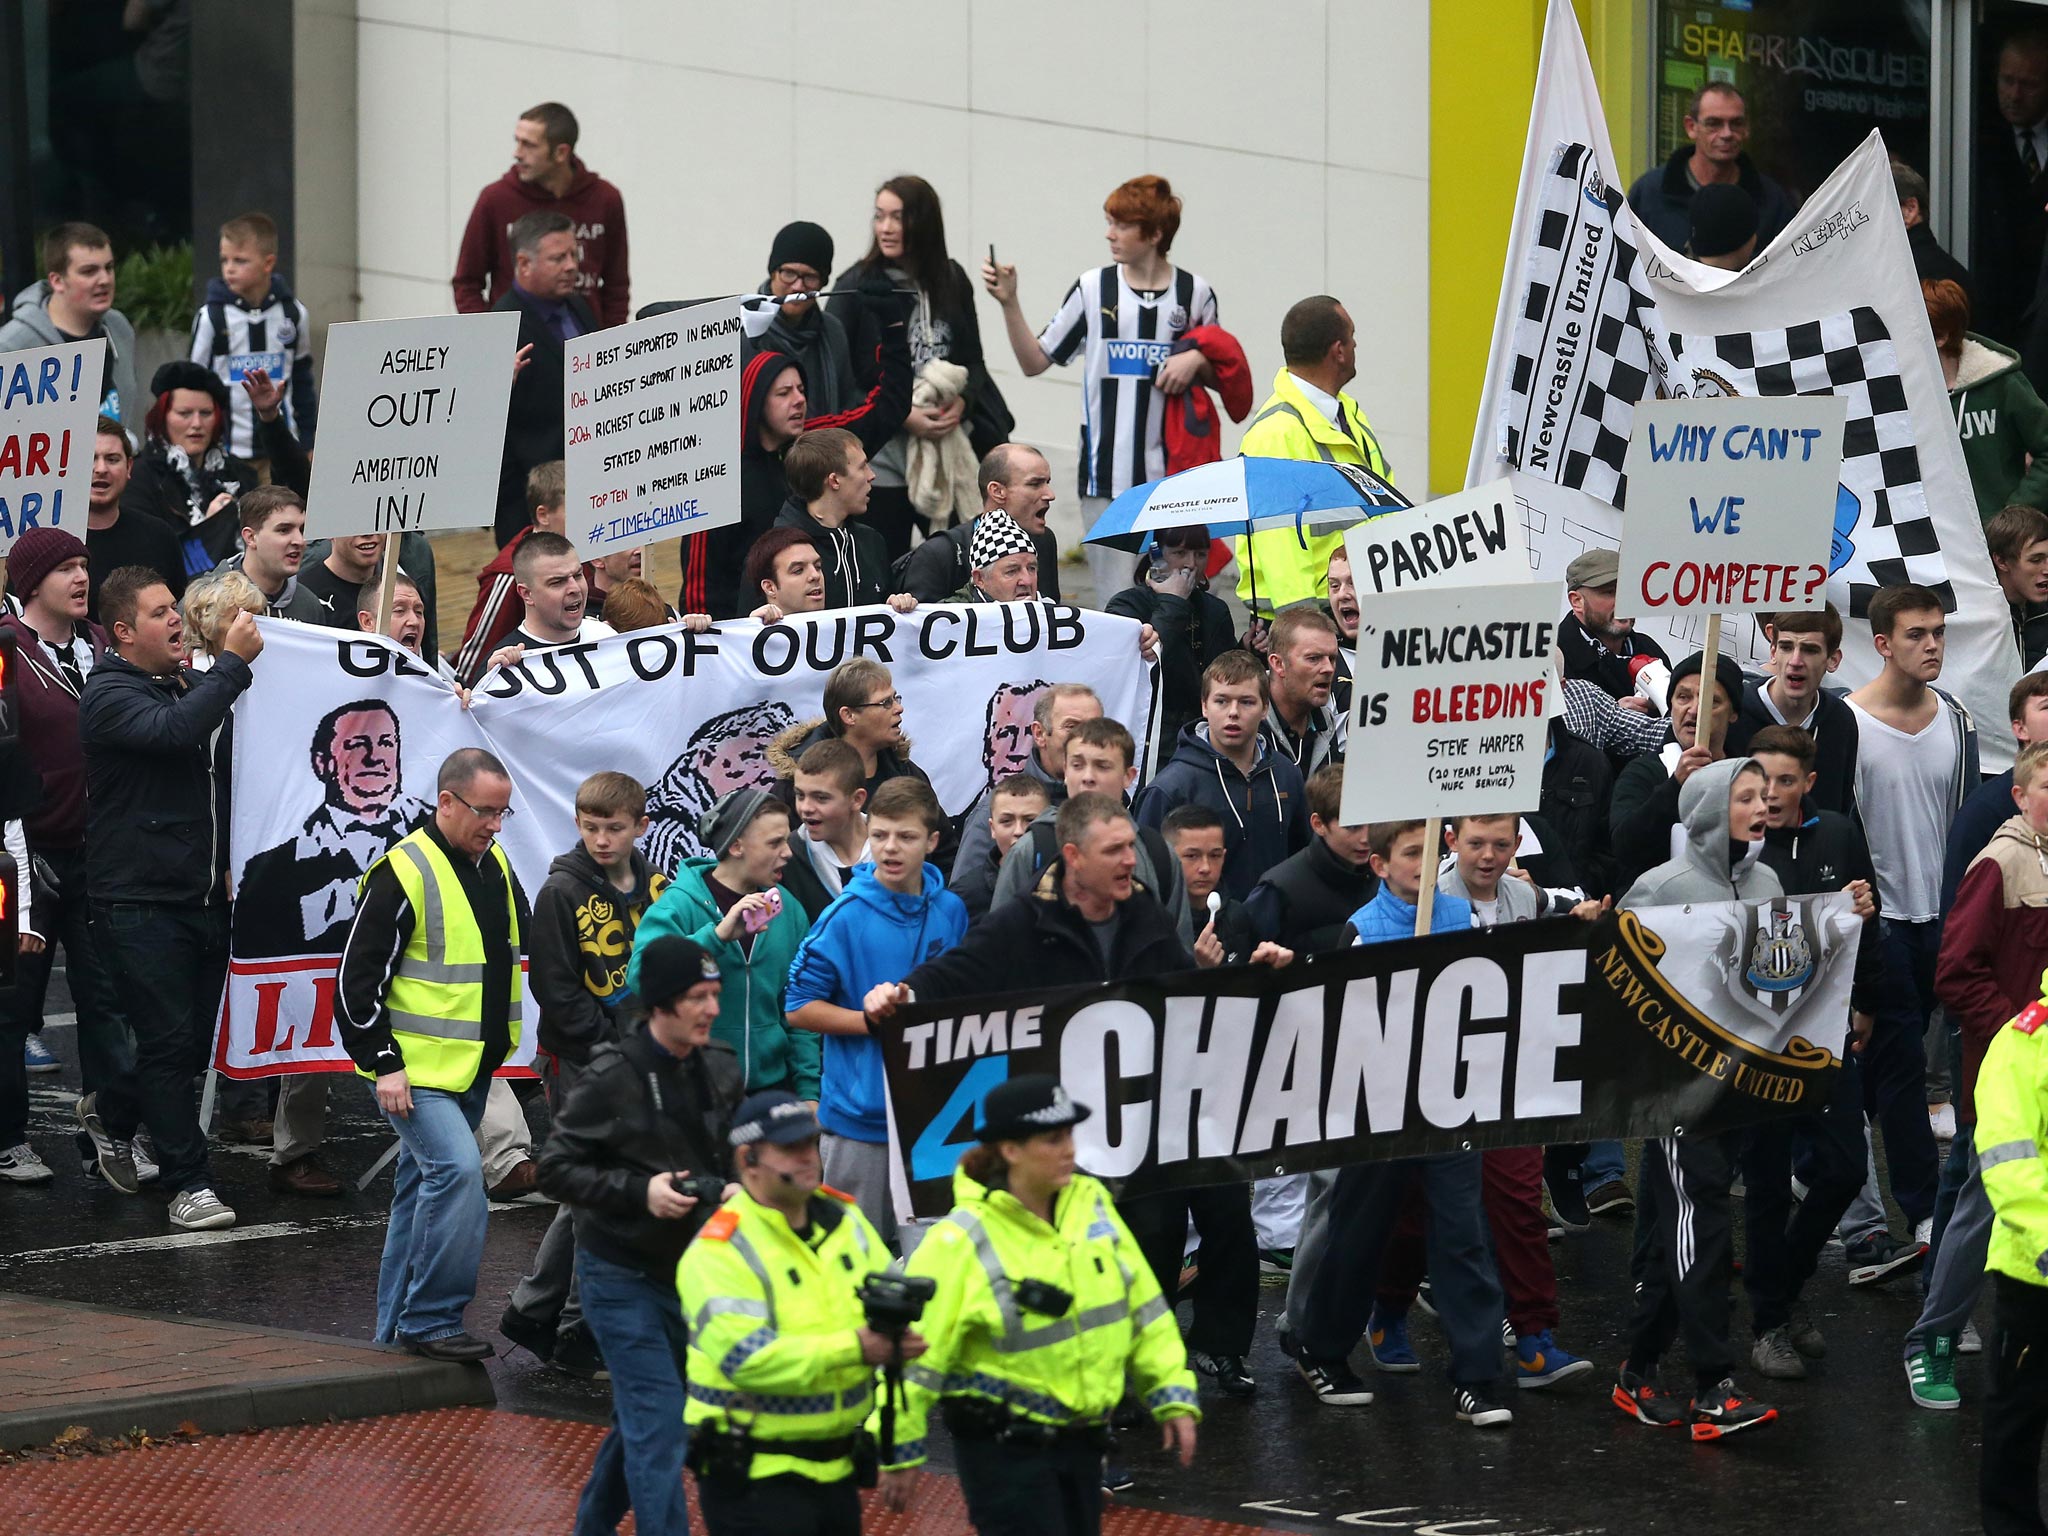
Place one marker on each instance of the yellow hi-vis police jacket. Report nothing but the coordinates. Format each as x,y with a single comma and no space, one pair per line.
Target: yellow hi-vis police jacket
1056,1370
1287,566
2011,1140
773,1320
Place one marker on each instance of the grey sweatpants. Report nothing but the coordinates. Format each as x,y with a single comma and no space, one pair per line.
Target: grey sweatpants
1958,1278
861,1169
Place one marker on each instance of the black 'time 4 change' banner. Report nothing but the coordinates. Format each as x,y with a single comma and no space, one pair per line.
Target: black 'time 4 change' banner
1697,1018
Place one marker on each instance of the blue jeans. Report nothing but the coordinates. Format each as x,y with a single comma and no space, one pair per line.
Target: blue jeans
169,965
1363,1206
438,1210
1604,1163
638,1322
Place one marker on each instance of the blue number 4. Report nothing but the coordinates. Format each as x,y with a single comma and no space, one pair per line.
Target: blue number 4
932,1156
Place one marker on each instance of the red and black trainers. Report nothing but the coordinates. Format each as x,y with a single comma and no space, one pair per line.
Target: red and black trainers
1643,1399
1722,1410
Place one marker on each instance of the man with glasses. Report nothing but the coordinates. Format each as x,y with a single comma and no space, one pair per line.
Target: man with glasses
799,266
1716,129
427,999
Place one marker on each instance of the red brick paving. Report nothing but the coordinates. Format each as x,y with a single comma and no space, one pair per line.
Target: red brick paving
455,1472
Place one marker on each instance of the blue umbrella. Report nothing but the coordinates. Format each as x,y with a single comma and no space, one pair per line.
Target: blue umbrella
1252,493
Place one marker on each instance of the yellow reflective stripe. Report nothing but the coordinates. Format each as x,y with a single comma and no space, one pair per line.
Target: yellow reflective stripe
728,1306
439,973
433,1027
1018,1339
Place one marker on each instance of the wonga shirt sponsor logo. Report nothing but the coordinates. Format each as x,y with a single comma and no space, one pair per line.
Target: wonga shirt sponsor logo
1136,359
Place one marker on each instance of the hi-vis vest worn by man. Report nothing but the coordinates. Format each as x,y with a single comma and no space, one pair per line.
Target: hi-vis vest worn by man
773,1344
1291,426
2012,1140
435,1002
1063,1371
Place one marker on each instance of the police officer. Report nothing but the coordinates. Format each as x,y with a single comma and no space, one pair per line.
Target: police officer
427,997
782,1363
1043,1303
2011,1137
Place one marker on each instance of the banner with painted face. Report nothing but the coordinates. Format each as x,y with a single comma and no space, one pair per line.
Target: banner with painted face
339,739
1665,1020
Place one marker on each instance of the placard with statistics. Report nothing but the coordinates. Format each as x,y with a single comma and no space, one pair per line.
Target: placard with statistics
1450,697
651,416
412,424
1731,505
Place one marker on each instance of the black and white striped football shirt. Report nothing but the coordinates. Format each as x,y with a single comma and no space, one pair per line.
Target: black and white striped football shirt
1124,335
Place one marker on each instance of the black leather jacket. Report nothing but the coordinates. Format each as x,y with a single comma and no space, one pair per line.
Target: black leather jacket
636,1111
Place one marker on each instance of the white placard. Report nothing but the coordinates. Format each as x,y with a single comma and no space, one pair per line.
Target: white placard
49,400
412,424
1450,698
1731,505
651,413
1465,539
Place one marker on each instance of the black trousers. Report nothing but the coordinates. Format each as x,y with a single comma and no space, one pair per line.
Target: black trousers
1016,1491
1226,1292
788,1505
2015,1411
1684,1253
1785,1244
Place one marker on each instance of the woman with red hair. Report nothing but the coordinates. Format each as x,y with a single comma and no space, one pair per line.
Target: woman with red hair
2002,421
185,475
1123,321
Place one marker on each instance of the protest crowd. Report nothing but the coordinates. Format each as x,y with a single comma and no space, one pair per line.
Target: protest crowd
710,1000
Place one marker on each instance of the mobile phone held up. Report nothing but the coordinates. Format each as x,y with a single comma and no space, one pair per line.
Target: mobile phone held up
754,919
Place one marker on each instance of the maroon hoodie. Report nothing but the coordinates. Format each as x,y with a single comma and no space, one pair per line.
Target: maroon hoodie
483,267
49,732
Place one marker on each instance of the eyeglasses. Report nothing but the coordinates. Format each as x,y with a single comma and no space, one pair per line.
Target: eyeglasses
498,813
891,702
800,277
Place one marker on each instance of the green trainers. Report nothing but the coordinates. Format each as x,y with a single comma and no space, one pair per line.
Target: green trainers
1931,1374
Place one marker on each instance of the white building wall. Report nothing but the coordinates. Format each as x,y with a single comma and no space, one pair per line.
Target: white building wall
1295,131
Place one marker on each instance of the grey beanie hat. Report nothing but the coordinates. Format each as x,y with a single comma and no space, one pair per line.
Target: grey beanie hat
730,815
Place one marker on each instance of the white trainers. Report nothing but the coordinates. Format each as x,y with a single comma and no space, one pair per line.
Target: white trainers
1969,1341
21,1166
200,1210
1923,1234
1943,1118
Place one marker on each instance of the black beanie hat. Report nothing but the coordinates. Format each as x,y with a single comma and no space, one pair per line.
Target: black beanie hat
1723,216
805,242
1726,673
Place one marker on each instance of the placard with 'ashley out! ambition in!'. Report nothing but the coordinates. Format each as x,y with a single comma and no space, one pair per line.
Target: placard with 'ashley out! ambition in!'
1450,696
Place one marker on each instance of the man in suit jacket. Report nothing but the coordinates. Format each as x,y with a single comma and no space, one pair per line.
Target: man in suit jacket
2012,171
551,312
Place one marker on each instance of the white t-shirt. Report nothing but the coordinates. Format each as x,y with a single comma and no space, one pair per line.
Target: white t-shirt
1126,335
1904,787
590,629
831,873
1485,914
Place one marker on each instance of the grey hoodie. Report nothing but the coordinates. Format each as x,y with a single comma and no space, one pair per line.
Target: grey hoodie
29,325
294,602
1702,872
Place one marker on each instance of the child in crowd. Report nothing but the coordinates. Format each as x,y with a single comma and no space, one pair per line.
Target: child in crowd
1224,937
894,914
1306,900
833,837
1352,1214
1101,758
250,321
732,907
1014,803
584,918
1684,1255
1481,871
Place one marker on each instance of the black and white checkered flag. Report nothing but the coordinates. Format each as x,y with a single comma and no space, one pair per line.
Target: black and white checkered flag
1588,344
1851,356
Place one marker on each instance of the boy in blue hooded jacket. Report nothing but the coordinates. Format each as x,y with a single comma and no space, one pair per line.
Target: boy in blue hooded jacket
894,914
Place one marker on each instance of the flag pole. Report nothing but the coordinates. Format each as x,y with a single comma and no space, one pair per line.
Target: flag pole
387,583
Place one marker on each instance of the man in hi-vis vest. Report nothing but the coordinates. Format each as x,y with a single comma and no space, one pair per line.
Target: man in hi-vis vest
428,1003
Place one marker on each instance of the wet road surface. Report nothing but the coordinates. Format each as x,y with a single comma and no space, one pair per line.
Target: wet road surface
1850,1452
